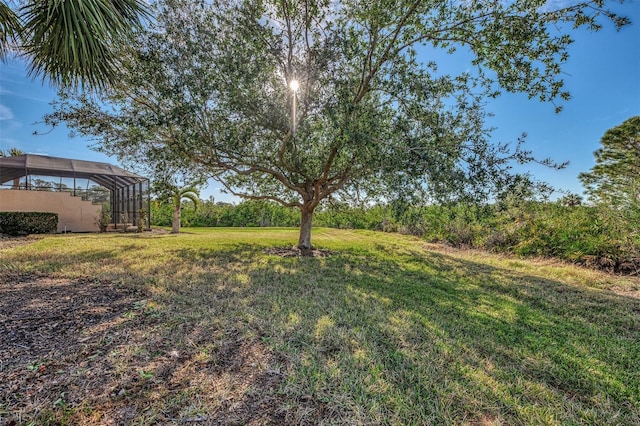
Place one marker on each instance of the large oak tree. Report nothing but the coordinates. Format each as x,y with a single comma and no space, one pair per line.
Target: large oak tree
211,83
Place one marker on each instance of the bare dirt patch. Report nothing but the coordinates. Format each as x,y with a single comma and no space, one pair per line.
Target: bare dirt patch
7,242
626,291
91,352
46,325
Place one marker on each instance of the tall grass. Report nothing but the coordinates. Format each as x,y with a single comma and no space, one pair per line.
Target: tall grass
593,236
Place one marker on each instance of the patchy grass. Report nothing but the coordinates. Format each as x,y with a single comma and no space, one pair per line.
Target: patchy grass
207,326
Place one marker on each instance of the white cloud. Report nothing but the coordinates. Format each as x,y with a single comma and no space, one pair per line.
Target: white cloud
557,4
5,113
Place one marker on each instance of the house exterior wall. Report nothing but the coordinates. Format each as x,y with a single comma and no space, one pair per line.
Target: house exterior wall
75,213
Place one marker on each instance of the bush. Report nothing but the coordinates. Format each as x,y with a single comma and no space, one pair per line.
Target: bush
104,218
24,223
594,236
342,216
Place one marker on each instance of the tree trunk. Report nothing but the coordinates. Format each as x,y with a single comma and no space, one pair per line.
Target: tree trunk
304,242
175,223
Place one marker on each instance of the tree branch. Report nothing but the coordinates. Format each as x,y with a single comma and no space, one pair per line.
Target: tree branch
257,197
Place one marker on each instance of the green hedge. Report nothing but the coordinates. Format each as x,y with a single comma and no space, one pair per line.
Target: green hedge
21,223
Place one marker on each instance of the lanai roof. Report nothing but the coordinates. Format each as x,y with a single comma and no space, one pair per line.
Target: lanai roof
104,174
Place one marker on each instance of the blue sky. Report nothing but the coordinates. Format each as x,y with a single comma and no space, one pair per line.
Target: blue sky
602,74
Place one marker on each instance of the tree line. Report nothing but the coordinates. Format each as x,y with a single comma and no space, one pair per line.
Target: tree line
592,235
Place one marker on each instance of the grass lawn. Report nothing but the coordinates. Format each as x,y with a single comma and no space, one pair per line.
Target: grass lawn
208,327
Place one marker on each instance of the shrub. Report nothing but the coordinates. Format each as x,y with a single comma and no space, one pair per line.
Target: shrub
344,216
595,236
104,218
24,223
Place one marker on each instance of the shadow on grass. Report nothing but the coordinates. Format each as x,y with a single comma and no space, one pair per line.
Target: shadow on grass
431,338
508,342
86,351
234,336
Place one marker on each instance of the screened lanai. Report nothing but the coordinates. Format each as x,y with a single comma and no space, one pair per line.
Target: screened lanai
126,193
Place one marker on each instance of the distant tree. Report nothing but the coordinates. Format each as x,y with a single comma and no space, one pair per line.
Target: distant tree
296,101
42,185
70,42
615,178
571,200
11,152
98,194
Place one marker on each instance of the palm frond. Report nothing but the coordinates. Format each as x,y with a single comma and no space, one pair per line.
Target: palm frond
11,152
190,193
74,43
10,29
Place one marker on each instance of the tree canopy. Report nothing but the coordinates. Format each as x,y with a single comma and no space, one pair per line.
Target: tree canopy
615,178
210,83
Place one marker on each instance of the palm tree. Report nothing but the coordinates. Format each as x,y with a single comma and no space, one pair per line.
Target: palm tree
11,152
71,42
177,194
571,200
